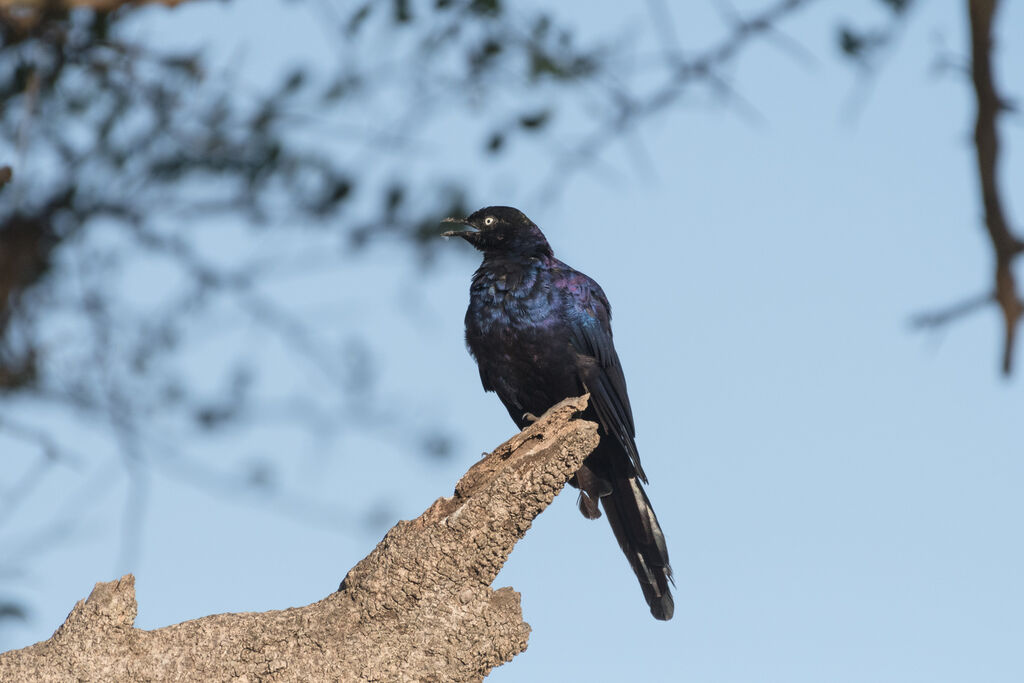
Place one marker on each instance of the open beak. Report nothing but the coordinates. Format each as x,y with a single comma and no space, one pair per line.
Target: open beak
457,233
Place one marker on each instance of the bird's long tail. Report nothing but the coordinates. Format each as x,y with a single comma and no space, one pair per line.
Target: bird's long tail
639,535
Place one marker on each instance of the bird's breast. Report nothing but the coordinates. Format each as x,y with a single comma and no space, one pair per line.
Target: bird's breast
511,300
516,330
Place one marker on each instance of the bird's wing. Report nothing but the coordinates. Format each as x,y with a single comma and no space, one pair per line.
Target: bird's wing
485,378
597,362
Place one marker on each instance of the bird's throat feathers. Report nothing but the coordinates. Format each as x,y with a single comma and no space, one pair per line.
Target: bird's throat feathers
517,247
507,286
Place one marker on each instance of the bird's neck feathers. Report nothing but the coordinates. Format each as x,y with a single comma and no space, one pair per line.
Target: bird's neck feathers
502,262
523,249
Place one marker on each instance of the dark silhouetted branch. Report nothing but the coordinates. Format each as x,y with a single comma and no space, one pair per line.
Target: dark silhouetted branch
1005,245
986,142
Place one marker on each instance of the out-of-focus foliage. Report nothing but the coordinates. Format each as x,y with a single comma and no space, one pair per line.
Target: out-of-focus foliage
135,164
863,44
105,130
131,158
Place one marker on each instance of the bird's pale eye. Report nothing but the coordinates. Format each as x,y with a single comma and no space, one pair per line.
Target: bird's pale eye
489,220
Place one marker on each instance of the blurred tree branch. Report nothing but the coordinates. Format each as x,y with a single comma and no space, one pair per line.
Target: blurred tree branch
28,14
986,141
1006,246
864,47
98,5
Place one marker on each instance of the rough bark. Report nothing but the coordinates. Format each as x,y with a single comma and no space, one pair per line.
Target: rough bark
420,607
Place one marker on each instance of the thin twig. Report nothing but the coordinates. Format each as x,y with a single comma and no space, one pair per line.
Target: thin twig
938,318
50,448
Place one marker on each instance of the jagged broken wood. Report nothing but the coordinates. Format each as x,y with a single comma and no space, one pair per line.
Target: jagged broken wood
420,607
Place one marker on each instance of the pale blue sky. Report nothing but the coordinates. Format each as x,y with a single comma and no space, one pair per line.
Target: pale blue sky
841,495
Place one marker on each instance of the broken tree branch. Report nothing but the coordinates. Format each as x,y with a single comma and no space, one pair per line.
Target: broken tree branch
419,607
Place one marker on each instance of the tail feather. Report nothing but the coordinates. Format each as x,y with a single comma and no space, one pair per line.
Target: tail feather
639,535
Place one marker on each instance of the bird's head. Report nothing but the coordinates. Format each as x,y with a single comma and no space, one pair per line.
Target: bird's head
501,230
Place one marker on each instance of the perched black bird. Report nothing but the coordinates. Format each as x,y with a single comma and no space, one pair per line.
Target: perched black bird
541,332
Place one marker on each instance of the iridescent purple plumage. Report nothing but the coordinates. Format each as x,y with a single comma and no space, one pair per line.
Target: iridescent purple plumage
540,332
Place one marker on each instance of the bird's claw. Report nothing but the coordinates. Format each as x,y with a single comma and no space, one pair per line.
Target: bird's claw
530,417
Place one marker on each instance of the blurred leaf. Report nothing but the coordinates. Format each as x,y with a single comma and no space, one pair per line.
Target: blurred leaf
336,192
17,371
214,416
849,42
559,67
438,446
379,516
393,198
485,7
541,25
860,46
185,64
340,87
13,611
293,82
260,474
402,13
897,6
536,120
483,56
495,142
358,18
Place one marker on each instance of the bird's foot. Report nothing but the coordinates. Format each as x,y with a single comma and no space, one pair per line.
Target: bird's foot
530,417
